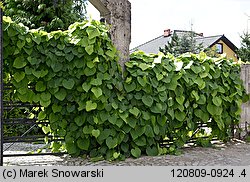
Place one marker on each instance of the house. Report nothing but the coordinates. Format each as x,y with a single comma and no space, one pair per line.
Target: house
219,43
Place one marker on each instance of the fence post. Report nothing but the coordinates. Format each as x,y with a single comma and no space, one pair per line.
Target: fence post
1,88
245,108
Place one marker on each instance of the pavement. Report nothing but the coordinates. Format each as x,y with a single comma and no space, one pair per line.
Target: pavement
236,153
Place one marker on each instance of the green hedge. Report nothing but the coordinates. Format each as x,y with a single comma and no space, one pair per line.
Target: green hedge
75,76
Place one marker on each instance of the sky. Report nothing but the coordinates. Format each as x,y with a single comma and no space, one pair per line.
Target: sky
210,17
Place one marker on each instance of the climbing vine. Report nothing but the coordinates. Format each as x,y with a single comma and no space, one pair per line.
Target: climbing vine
74,75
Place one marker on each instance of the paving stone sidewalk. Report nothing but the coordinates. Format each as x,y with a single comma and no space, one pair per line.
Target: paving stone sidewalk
232,154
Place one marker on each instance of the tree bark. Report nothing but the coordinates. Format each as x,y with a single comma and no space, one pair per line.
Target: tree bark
117,13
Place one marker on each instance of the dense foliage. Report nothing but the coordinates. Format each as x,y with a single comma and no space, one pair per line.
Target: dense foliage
75,76
46,14
244,51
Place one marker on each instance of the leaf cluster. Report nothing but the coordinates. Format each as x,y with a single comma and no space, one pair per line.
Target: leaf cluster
75,76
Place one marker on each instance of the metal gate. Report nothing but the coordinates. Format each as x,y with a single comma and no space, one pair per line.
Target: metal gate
18,117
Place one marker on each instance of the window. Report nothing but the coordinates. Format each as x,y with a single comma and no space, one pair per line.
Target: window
219,48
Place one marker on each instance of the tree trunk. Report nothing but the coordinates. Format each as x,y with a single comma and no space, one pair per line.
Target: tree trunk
117,13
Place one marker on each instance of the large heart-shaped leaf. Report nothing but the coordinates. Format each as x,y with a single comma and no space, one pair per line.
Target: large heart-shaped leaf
96,133
83,144
152,151
111,142
180,116
97,91
68,84
18,76
147,100
217,101
135,111
136,152
19,62
61,94
90,106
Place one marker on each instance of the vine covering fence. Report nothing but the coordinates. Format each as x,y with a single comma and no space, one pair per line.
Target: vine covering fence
71,82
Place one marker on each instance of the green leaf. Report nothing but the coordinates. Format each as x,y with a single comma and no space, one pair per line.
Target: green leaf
90,64
40,86
136,152
79,120
41,115
96,133
149,131
219,122
214,110
96,82
68,84
61,94
141,141
217,101
195,95
104,134
87,129
89,49
33,60
111,142
125,147
152,151
132,122
97,91
202,100
45,96
93,32
45,103
57,67
46,129
114,105
157,108
90,106
172,85
180,116
61,46
144,66
135,111
83,144
86,86
36,73
19,62
116,155
147,100
56,108
111,53
202,115
71,148
130,87
142,81
69,57
36,38
20,44
19,76
180,99
196,69
112,119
